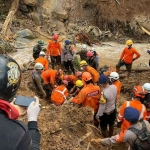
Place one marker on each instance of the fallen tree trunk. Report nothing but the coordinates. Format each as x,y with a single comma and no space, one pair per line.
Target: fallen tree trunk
6,26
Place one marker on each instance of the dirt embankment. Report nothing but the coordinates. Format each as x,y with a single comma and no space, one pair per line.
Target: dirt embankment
69,127
125,17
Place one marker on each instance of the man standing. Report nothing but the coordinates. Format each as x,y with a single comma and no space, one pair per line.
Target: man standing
83,52
54,51
67,56
127,57
107,108
37,49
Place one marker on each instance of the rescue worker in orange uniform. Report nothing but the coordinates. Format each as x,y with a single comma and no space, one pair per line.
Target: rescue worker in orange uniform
42,60
59,94
88,95
51,78
54,51
71,81
114,79
127,57
85,67
139,93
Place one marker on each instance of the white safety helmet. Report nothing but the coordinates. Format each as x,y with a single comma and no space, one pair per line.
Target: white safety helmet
38,66
114,75
84,46
42,53
147,87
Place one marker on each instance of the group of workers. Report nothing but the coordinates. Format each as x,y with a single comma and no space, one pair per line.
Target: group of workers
86,87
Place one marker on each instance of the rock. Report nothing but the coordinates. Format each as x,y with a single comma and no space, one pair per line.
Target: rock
35,17
21,42
59,13
26,33
30,2
24,8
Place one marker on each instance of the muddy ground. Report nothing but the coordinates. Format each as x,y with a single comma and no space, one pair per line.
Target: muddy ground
69,127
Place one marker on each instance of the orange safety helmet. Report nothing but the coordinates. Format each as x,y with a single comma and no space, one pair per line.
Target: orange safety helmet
55,37
139,91
86,76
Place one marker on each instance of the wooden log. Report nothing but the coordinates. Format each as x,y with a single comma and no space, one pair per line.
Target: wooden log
9,18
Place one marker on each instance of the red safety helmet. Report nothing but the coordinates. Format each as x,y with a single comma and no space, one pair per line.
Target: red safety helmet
89,54
55,36
86,76
66,77
78,73
139,91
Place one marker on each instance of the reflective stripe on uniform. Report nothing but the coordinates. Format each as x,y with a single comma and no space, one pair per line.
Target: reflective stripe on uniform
142,112
128,104
62,92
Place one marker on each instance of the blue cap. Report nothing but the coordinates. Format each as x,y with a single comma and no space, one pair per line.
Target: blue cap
131,114
148,51
67,42
103,79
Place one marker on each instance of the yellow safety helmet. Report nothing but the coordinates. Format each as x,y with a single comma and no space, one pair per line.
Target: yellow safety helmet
83,63
129,42
79,83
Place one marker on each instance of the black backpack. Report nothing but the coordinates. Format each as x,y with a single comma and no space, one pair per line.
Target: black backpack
142,141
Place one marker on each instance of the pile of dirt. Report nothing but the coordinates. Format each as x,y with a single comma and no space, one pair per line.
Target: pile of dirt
70,127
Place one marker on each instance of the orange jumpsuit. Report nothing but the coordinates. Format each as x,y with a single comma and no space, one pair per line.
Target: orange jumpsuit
53,49
127,55
93,72
118,85
135,104
59,95
88,96
49,77
43,61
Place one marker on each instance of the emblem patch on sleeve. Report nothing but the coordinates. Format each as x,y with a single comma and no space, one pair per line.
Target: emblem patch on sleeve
13,73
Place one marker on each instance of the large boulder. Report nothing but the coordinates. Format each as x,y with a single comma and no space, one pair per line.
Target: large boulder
60,13
26,33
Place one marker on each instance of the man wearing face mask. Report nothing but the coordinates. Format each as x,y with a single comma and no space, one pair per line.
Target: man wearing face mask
54,51
67,56
91,60
127,57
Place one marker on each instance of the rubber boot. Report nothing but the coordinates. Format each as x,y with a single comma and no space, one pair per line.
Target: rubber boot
104,133
111,130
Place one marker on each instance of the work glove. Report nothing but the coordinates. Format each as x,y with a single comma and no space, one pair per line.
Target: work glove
148,51
95,141
33,110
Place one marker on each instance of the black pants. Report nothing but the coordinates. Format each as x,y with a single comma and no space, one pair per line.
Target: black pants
107,120
68,65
